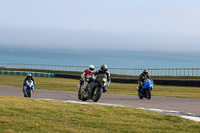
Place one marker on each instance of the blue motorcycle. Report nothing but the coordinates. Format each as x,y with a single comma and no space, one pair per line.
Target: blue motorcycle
28,88
146,89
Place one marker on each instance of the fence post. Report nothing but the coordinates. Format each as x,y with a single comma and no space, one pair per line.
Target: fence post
184,71
165,71
176,71
192,71
157,72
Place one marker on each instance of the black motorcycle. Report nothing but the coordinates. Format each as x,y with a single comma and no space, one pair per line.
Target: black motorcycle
93,88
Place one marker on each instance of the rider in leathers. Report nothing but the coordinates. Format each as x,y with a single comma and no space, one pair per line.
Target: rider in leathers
104,69
88,71
29,77
142,77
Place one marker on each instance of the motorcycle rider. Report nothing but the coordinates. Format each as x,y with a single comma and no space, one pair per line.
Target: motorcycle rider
88,71
104,69
29,77
144,75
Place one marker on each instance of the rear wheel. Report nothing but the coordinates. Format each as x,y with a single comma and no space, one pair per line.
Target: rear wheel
97,94
148,93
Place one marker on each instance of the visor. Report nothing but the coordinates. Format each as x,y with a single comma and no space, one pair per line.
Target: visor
91,69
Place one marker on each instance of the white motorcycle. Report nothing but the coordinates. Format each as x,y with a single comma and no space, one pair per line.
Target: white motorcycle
28,88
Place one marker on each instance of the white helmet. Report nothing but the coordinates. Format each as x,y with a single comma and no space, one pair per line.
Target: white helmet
29,74
91,68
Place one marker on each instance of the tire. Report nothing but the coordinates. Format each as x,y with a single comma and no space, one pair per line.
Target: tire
79,95
148,93
98,94
29,93
84,99
25,93
140,95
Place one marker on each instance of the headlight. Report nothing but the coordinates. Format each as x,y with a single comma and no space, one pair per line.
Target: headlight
104,79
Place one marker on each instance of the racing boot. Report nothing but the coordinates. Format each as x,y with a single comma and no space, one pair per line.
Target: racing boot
104,89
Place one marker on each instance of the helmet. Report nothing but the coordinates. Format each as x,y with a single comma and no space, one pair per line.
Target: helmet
91,68
145,71
104,68
29,74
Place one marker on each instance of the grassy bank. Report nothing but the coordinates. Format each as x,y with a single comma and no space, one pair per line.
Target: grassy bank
29,115
112,75
114,88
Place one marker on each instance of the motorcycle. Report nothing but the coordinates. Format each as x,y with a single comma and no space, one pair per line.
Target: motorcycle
28,88
84,85
93,88
146,89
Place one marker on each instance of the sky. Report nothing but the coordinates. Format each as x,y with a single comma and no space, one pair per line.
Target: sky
135,25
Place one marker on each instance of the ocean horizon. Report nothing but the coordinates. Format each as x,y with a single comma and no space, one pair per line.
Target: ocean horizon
114,59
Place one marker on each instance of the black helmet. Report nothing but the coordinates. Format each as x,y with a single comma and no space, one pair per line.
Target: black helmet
145,71
104,68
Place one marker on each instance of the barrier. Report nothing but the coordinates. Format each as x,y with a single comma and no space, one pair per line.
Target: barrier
121,71
172,82
39,74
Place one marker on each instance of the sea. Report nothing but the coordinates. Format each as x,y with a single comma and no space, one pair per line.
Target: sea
114,59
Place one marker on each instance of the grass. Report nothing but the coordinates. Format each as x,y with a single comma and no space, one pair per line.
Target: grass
114,88
112,75
29,115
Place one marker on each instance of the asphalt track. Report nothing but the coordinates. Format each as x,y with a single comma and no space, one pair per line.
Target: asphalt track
182,105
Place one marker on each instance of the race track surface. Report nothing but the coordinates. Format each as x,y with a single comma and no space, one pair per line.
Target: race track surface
186,105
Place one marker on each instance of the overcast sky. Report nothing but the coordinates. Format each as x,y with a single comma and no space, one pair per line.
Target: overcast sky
154,25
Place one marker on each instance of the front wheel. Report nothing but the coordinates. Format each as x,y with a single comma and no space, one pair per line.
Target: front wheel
97,94
140,93
25,92
148,93
79,94
25,95
29,94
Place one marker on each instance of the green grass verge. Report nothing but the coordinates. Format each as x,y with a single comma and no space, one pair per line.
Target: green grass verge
29,115
63,84
112,75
